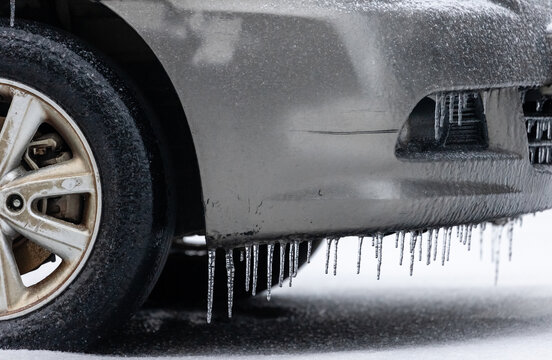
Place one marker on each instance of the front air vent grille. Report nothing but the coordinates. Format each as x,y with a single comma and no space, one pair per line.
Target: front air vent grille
537,110
444,123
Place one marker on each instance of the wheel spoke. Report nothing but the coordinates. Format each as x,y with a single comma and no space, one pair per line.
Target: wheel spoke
22,121
59,237
11,285
70,177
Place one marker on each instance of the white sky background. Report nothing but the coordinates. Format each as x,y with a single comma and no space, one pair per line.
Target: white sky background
529,275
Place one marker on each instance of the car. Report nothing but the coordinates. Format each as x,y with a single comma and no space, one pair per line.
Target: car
136,130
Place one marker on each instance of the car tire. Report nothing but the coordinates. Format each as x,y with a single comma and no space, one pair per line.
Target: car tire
132,238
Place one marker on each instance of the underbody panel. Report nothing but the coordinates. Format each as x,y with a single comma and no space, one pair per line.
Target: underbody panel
295,109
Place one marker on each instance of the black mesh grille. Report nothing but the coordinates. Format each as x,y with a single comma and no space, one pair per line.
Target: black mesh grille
537,109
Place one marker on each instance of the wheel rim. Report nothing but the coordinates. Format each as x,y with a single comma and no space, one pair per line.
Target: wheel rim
50,199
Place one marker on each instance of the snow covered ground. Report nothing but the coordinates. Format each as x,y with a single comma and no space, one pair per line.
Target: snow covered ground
452,312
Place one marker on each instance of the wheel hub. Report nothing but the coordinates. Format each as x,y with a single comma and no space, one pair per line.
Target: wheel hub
50,196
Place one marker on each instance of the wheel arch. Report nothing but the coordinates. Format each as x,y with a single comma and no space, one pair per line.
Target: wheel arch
106,31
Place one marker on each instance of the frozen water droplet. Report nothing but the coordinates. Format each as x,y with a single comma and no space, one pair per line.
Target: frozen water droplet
211,282
269,256
255,268
247,267
230,279
282,263
336,243
359,255
328,247
309,251
12,13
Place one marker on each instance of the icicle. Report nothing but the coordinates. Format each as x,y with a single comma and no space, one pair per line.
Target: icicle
396,240
532,155
540,104
12,13
255,268
242,256
460,108
510,239
465,241
359,255
247,267
437,124
461,232
443,105
402,233
452,98
470,231
413,238
429,240
269,257
522,95
444,251
230,279
376,249
435,246
328,246
282,264
420,241
497,254
380,246
309,251
448,245
291,263
295,258
482,227
336,242
211,283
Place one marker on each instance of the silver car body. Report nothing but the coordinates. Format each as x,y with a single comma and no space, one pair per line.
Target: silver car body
295,108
